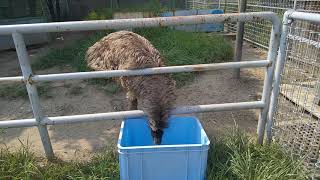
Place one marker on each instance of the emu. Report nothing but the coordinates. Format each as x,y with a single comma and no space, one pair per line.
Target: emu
155,94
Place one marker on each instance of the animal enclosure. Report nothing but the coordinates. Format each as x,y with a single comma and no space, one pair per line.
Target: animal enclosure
31,80
297,114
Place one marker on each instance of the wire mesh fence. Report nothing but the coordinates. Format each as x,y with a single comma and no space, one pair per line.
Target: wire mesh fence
297,119
258,32
202,4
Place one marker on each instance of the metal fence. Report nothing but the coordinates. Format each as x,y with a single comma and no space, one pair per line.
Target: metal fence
202,4
296,118
31,80
258,32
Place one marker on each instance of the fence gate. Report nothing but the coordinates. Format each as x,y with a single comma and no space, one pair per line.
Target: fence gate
297,114
31,80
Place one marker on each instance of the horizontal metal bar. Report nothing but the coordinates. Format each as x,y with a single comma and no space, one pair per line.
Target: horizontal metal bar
256,43
218,107
131,114
148,71
159,70
138,22
259,6
18,123
11,79
312,17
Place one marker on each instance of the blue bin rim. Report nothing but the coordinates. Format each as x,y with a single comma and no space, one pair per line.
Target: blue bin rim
164,146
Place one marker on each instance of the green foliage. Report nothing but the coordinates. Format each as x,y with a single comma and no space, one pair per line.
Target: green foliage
236,156
72,54
101,14
18,165
152,6
13,91
24,165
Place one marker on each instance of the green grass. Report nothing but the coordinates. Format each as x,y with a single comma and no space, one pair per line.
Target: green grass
72,54
234,156
237,156
24,165
152,6
184,48
20,91
178,47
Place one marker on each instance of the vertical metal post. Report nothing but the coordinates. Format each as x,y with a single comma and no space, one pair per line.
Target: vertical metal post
267,87
295,5
239,39
277,75
219,5
32,92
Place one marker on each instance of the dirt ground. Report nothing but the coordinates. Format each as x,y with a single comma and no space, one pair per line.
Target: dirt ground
80,141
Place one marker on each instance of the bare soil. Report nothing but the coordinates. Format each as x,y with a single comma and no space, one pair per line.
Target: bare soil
80,141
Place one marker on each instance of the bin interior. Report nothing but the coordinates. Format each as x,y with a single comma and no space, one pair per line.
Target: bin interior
181,131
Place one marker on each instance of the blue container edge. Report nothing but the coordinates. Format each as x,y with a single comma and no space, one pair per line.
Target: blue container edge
205,146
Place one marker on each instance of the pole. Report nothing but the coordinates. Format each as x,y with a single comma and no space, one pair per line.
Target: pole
295,5
32,92
239,39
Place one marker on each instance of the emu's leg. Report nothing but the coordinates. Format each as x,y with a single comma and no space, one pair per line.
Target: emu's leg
132,101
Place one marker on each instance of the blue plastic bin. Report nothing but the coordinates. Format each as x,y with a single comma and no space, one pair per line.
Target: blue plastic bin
211,27
182,155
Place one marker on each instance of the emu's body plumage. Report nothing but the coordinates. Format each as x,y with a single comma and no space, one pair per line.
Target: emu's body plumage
126,50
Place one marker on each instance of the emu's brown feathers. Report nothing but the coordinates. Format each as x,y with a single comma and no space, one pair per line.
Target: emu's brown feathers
155,93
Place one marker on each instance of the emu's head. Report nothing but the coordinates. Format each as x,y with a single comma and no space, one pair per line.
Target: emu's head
158,121
157,108
157,96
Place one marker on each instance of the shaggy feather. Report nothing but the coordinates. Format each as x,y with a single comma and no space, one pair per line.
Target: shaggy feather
155,94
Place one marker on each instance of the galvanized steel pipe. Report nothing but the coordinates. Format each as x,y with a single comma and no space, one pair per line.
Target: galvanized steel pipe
267,87
296,15
137,23
130,114
289,15
32,92
158,70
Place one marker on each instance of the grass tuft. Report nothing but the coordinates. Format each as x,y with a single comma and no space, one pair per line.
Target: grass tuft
24,165
237,156
13,91
18,165
76,90
20,91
